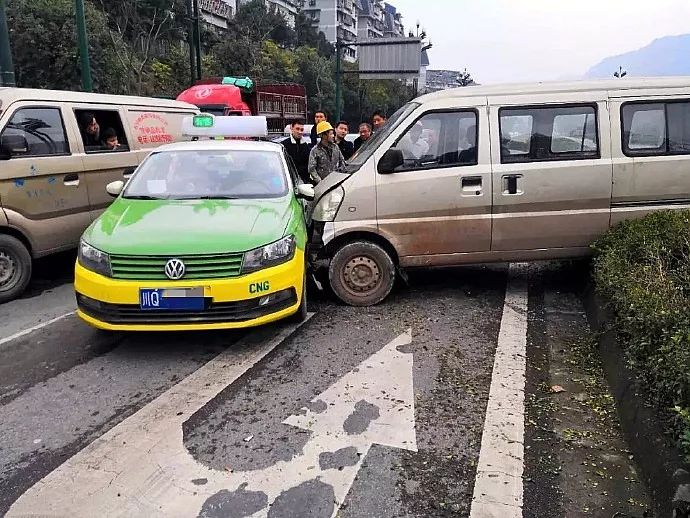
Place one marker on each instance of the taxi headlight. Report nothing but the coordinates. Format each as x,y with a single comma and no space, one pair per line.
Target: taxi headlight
93,259
269,255
327,207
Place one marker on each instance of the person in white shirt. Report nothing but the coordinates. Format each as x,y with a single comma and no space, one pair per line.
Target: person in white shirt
411,145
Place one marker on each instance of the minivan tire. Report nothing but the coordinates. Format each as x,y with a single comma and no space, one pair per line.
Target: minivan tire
361,274
15,268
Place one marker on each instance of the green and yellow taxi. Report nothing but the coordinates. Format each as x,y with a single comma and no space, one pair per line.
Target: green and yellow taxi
206,234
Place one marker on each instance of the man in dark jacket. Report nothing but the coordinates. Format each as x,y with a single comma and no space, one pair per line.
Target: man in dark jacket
298,149
364,135
347,148
319,116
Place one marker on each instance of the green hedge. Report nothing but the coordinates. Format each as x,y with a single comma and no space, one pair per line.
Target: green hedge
643,268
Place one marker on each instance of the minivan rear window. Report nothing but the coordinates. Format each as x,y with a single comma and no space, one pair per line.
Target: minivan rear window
656,128
547,133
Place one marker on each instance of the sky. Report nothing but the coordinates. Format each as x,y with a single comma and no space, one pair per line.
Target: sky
502,41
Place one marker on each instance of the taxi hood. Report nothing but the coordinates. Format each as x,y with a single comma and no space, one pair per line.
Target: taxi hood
189,227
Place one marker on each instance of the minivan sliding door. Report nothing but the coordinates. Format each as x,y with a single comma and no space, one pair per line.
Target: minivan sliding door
551,176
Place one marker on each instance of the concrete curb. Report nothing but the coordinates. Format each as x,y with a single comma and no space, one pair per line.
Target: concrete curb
662,466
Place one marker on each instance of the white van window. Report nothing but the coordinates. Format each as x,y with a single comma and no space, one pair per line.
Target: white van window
516,134
661,128
43,130
644,127
440,139
541,133
574,133
101,131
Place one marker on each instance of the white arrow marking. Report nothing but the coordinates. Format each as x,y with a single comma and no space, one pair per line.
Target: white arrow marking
141,467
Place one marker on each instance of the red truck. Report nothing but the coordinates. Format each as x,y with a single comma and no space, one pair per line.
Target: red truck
279,102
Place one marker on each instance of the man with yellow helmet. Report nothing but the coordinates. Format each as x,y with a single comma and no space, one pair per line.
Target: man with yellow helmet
325,157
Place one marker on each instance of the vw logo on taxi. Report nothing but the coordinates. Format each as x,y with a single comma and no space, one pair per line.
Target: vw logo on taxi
175,269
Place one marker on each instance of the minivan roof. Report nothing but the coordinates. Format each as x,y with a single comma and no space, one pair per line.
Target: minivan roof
10,95
652,83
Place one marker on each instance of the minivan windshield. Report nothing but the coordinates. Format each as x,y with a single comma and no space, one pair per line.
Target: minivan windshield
209,174
368,148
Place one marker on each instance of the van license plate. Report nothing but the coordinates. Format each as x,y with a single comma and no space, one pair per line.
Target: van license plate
178,299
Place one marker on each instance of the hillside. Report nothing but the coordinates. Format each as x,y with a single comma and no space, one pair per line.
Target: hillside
668,56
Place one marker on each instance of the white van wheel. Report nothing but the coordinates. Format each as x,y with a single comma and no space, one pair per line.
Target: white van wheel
361,273
15,268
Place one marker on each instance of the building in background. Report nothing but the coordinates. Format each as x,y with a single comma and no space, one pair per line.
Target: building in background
371,19
393,26
337,19
216,13
287,8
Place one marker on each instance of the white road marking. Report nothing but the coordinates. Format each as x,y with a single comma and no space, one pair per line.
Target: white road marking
34,328
498,488
141,467
20,314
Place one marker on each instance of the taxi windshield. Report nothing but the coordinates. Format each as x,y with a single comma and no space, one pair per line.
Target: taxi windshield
209,174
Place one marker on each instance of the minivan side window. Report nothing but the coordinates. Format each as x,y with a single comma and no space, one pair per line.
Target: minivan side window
101,131
440,139
657,128
42,129
543,133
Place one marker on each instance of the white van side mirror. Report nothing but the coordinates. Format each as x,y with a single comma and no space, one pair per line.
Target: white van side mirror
115,188
305,191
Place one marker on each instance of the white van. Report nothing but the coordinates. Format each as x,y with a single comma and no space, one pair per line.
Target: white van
53,170
501,173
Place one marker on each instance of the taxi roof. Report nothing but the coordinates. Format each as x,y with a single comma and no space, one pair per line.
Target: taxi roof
229,145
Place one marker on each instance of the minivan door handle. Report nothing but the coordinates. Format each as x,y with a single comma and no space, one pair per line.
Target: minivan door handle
471,185
71,180
128,172
511,184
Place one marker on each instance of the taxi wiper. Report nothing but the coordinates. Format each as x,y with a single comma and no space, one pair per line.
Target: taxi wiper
208,197
142,197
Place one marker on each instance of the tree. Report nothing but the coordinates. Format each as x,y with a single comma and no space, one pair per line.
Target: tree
317,75
240,51
44,44
136,30
275,64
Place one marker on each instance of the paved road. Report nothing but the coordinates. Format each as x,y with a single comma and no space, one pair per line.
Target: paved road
376,412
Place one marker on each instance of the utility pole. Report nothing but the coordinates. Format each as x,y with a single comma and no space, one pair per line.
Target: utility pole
190,40
338,79
197,38
6,66
86,82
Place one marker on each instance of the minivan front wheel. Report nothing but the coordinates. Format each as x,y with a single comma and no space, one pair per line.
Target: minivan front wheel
361,273
15,268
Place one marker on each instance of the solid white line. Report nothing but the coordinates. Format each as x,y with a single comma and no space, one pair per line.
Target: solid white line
498,487
35,328
91,482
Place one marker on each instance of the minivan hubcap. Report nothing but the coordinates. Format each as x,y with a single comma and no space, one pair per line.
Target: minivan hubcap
7,269
361,274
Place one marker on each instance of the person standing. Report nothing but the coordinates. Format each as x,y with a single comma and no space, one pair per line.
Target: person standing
364,135
378,119
325,157
347,148
319,116
298,150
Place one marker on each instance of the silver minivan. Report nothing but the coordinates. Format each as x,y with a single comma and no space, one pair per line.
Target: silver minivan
501,173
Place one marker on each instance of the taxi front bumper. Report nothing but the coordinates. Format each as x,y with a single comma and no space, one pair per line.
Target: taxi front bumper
247,301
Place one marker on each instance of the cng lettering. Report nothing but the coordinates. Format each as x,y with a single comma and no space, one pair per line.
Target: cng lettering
259,287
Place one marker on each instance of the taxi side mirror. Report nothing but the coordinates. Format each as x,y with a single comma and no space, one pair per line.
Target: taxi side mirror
115,188
390,161
305,191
